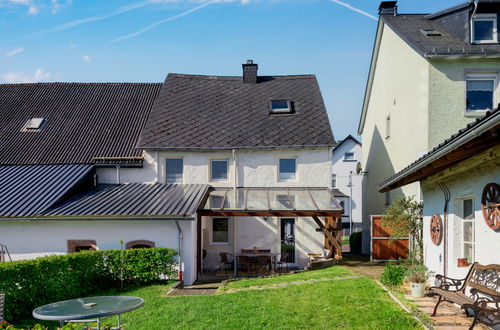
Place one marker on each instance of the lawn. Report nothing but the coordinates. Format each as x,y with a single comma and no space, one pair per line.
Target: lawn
354,303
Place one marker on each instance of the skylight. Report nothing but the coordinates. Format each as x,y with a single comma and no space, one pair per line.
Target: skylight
430,33
34,123
280,106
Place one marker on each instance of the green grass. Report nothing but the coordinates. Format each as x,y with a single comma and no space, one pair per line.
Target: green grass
357,303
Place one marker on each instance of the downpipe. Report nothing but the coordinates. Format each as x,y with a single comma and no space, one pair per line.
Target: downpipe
181,238
447,196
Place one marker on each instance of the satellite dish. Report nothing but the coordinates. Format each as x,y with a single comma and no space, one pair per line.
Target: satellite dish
358,168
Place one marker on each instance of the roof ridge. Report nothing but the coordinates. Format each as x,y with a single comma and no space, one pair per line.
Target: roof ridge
79,83
187,75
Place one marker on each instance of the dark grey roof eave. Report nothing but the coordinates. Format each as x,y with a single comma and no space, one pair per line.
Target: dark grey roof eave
235,148
101,218
448,10
481,126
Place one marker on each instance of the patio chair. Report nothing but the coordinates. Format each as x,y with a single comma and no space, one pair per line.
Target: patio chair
226,261
246,263
283,262
263,263
2,301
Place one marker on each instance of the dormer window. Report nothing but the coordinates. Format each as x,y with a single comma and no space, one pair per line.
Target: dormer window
280,106
34,124
484,28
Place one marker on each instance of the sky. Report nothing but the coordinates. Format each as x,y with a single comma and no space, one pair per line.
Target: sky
142,41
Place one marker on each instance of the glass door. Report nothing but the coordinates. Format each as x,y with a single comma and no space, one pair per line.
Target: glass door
288,239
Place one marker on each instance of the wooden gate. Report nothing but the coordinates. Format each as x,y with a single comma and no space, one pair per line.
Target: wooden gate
383,246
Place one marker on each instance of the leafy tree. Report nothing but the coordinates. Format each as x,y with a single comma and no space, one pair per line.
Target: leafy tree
404,216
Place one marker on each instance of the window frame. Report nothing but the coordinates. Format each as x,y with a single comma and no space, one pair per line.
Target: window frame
487,75
296,169
281,111
229,230
485,17
166,170
334,180
210,171
463,223
353,159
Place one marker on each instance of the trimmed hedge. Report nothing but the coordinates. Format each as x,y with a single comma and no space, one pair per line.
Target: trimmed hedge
28,284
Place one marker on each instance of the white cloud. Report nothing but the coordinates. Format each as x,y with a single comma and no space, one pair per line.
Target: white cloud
21,77
33,10
14,52
86,58
355,9
72,46
20,2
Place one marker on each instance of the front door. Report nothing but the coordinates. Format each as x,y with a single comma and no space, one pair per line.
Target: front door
288,238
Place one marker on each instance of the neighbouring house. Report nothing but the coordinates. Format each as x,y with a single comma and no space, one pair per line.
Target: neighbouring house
202,164
347,182
460,180
430,75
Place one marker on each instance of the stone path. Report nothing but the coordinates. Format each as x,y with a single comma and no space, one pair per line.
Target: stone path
196,290
448,316
286,284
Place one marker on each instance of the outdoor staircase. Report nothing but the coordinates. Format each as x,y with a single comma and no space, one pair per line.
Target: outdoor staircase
4,253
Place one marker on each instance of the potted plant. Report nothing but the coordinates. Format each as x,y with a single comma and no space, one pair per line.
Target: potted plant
417,275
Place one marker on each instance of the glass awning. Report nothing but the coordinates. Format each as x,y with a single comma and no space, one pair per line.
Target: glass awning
273,200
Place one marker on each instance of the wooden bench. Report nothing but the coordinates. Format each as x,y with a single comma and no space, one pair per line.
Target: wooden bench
478,293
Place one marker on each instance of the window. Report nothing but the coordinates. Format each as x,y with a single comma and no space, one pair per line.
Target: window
480,94
78,245
349,156
280,106
175,170
388,127
220,231
287,169
140,244
218,170
484,28
334,180
468,230
34,124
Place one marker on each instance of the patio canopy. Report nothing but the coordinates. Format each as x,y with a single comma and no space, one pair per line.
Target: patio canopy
272,202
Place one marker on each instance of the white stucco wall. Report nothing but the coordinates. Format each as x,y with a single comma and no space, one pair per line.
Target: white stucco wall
464,180
342,169
33,238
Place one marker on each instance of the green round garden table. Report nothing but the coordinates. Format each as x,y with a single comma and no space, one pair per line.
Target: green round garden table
88,310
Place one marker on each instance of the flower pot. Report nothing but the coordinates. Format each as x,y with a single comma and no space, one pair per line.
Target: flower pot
462,262
417,289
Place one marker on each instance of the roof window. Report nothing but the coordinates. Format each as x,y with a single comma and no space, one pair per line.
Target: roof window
430,33
34,124
280,106
484,28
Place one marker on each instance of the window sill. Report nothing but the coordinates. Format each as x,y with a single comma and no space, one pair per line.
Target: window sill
474,113
350,160
219,244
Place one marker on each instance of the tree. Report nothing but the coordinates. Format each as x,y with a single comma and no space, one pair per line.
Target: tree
404,216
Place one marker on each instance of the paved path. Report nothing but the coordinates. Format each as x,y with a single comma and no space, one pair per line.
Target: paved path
362,265
448,316
203,289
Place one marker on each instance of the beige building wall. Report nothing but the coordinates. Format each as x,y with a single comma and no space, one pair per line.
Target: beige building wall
399,92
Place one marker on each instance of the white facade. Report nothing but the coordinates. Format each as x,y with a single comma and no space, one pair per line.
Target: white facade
465,181
255,168
345,178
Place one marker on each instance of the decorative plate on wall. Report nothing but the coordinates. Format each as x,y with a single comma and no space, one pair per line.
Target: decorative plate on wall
490,204
436,229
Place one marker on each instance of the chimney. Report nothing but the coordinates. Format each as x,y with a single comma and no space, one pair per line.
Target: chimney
388,8
250,72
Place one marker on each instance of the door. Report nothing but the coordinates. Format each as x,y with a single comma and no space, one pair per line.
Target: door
383,246
288,239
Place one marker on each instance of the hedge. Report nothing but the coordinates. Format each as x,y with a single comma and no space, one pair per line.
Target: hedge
28,284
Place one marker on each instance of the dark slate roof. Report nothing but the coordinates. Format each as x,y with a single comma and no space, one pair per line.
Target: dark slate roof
453,24
83,121
32,189
477,129
214,112
135,200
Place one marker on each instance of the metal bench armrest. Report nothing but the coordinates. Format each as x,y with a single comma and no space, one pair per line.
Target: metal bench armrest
448,283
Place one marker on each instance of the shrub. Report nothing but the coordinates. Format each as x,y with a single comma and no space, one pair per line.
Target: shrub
417,274
28,284
355,242
393,274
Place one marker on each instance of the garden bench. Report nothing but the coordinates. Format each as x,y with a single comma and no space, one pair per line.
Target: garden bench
478,293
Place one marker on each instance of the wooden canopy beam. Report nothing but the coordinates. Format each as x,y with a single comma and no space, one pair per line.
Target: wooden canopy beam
334,242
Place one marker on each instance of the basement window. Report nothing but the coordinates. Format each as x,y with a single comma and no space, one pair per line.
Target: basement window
484,28
280,106
34,124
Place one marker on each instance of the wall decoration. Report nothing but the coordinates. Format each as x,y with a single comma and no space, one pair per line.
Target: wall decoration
436,229
490,204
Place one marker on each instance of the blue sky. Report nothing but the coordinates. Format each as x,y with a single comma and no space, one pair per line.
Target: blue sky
141,41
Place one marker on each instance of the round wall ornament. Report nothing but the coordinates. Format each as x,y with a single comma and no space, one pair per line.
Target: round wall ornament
490,205
436,229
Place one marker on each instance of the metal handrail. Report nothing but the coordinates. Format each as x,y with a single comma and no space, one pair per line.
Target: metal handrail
4,251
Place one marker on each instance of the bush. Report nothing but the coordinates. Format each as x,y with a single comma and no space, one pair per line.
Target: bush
417,274
28,284
393,274
355,242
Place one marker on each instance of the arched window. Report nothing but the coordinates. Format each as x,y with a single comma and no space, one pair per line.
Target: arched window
140,244
77,245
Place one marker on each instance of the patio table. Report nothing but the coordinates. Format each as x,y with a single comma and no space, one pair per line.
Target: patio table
254,255
88,310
